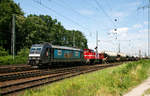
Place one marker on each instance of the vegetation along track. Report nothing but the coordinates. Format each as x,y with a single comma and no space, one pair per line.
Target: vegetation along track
39,77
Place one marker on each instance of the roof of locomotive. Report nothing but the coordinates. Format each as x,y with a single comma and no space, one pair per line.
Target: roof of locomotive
37,45
64,47
56,46
89,50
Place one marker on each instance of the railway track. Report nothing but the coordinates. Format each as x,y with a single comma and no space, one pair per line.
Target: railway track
19,68
31,73
12,82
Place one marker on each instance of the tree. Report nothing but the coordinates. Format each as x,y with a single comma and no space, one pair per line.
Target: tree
34,29
7,9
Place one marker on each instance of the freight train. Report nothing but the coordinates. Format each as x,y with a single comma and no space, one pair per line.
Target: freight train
47,54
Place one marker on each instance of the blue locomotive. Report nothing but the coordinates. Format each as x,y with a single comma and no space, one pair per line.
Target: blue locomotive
48,54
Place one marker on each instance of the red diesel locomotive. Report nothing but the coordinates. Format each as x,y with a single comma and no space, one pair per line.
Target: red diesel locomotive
92,57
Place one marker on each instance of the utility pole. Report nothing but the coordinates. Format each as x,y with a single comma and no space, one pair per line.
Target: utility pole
115,30
148,27
13,37
96,44
97,40
139,53
74,39
143,7
145,54
119,47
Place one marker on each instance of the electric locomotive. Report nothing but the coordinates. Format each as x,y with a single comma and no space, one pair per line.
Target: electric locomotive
48,54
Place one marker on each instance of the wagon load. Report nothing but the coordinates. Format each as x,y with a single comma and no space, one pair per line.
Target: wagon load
110,56
122,56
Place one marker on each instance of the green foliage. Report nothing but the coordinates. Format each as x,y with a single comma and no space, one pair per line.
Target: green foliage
30,30
7,9
34,29
44,29
8,60
21,58
147,92
23,52
3,52
113,81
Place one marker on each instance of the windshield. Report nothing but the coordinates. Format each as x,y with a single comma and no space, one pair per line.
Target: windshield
35,50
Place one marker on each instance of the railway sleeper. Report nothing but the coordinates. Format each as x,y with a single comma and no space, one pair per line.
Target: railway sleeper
48,80
53,78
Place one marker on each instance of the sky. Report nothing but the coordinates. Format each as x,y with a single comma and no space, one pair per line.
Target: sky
128,17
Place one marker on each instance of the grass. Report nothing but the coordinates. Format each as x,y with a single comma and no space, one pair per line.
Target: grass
113,81
8,60
20,58
147,92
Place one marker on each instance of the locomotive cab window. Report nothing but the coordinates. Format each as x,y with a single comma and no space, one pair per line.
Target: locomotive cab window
35,50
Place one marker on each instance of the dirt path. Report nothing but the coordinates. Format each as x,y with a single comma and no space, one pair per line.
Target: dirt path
139,90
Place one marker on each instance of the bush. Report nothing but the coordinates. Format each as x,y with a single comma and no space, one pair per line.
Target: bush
23,52
3,52
21,58
6,60
113,81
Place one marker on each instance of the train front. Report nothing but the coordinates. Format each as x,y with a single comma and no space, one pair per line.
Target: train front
34,55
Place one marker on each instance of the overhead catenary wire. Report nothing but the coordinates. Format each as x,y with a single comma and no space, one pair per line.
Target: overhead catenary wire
148,34
73,10
99,11
65,17
108,5
105,13
77,12
67,7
